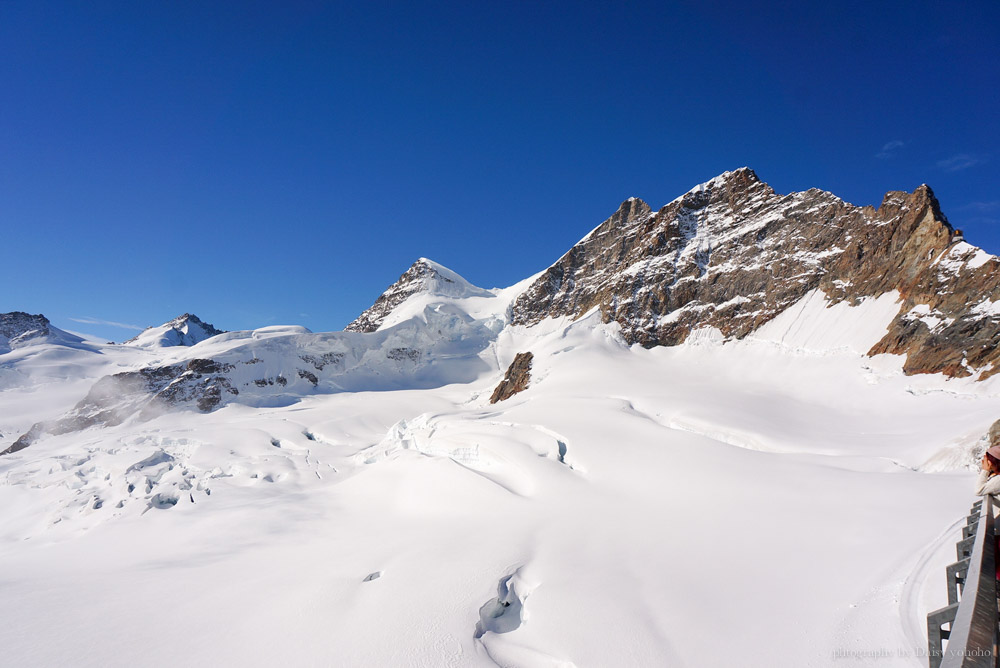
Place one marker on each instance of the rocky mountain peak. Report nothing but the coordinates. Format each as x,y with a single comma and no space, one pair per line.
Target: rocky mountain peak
185,330
423,271
17,323
630,210
733,189
732,254
423,277
187,320
923,197
738,179
17,327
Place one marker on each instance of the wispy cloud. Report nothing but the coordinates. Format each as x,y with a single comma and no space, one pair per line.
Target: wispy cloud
983,212
889,149
959,162
87,320
981,221
982,207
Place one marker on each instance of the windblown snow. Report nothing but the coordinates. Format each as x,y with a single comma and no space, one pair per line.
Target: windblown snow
764,502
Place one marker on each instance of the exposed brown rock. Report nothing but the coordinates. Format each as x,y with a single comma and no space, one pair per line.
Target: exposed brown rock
23,441
994,434
516,379
732,254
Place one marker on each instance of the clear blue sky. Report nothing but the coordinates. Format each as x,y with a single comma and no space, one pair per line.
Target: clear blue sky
264,163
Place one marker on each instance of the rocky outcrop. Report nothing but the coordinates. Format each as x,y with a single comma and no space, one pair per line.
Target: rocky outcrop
146,392
516,379
732,254
993,435
18,327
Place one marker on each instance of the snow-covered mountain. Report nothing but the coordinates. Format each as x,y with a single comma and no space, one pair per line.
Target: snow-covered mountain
19,329
745,411
280,365
184,330
424,278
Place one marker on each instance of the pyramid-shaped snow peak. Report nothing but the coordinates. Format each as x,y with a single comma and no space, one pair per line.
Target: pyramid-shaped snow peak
423,277
184,330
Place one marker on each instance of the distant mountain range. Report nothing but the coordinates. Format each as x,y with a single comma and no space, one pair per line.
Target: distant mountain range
538,475
726,257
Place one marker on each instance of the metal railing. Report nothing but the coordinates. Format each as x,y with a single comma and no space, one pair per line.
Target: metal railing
971,613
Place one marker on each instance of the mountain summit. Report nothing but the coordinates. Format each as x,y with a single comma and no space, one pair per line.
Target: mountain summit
732,254
19,329
423,277
184,330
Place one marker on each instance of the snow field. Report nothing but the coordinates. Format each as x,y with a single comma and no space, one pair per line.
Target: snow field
768,502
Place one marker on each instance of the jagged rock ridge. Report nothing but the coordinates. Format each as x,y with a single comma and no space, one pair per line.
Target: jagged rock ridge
732,254
18,327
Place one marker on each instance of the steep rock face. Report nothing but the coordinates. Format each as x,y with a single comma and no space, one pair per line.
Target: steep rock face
18,327
950,318
732,254
184,330
516,379
423,276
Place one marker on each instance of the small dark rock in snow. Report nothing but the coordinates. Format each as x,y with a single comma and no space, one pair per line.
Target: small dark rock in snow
516,379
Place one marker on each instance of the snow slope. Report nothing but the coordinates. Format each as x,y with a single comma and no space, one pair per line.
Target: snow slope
765,502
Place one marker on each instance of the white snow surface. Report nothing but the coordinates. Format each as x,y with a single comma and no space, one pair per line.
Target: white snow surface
962,256
815,326
767,502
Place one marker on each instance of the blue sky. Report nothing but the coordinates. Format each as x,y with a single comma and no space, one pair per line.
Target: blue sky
265,163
